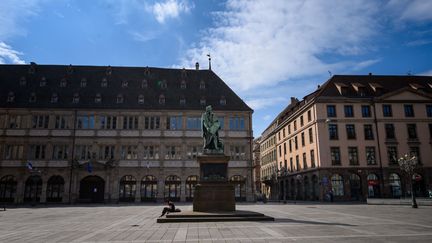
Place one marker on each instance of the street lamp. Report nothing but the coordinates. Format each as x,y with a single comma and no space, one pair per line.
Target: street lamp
408,163
298,178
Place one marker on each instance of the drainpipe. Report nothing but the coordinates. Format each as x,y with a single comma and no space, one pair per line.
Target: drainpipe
73,155
379,148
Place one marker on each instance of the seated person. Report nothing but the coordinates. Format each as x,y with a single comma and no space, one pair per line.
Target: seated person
171,208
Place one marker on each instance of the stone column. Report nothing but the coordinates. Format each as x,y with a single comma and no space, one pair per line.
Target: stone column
43,192
19,197
183,191
138,191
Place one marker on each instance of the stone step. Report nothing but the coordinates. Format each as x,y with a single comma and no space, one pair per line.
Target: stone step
213,219
238,213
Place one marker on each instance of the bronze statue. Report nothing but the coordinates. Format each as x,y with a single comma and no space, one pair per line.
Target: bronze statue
210,129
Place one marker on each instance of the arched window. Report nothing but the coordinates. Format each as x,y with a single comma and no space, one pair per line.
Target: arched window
43,82
162,99
54,98
141,99
355,186
83,83
337,185
125,84
127,188
33,189
63,82
191,182
144,84
120,98
55,189
239,183
98,98
395,185
172,188
75,98
104,83
148,188
182,100
183,84
202,85
8,186
373,185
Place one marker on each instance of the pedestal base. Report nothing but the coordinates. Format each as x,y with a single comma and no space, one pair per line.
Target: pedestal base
214,196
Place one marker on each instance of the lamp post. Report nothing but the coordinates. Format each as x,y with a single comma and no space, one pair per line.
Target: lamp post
408,163
298,179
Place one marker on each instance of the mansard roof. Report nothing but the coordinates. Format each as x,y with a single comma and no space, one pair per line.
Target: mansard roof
78,87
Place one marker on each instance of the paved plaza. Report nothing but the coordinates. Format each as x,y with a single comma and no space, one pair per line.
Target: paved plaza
293,222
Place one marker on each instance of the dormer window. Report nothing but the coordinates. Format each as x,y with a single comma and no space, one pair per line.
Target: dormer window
70,69
416,86
342,88
32,98
104,83
183,84
202,101
108,71
376,87
63,82
83,83
43,82
120,99
140,99
144,84
202,85
23,81
125,84
430,85
183,73
222,100
98,98
75,98
32,68
163,84
54,98
182,100
162,99
147,71
11,97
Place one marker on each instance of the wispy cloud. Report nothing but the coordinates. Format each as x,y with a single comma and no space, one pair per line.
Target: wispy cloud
364,64
9,55
13,14
426,73
419,42
411,10
261,103
170,9
143,36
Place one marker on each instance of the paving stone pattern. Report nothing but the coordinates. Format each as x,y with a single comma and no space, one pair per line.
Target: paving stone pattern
293,222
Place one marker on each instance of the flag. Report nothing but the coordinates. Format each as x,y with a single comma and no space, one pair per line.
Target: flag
89,167
29,165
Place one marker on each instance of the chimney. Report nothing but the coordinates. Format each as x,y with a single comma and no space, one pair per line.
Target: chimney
197,66
293,100
370,74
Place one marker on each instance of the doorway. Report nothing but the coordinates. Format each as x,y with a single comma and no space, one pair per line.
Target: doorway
92,189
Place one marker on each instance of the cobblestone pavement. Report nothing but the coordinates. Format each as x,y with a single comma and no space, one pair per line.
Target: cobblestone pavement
294,222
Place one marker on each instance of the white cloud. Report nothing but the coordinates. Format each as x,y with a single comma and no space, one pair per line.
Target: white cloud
143,36
8,55
426,73
169,9
364,64
411,10
267,117
261,103
13,14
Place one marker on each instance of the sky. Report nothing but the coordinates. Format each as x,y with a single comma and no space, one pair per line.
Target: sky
266,50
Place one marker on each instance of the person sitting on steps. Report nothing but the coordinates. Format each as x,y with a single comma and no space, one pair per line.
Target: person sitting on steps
171,208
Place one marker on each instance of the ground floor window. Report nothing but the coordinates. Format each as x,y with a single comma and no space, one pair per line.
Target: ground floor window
239,183
148,188
395,185
8,186
33,189
172,188
373,185
127,188
337,185
191,182
355,187
55,188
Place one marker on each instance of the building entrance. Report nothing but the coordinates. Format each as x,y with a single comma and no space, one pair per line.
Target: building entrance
92,189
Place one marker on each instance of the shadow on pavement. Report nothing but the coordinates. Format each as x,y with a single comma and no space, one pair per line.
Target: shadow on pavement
286,220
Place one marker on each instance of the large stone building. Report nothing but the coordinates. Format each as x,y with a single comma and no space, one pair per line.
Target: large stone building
344,139
268,161
109,134
256,165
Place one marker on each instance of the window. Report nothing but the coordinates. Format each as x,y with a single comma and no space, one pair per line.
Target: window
11,97
182,100
83,152
221,120
54,98
162,99
237,123
392,155
129,152
14,121
387,111
14,152
104,83
107,122
237,152
280,150
415,151
301,121
412,131
390,131
130,122
125,84
60,152
295,125
333,132
409,111
32,98
284,148
304,161
291,164
120,99
23,81
353,156
172,152
61,122
337,185
366,111
202,85
98,98
75,98
37,151
335,155
151,152
183,84
140,99
349,111
312,158
83,83
148,188
202,101
106,152
108,71
368,132
350,129
289,129
295,143
302,139
162,84
193,123
370,156
297,163
309,115
40,121
429,110
222,100
127,188
283,133
331,111
63,82
310,135
85,122
152,122
290,145
144,84
194,151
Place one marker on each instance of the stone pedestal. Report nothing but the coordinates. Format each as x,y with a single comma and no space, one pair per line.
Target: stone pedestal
214,193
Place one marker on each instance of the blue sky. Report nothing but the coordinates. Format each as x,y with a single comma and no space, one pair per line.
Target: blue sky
267,51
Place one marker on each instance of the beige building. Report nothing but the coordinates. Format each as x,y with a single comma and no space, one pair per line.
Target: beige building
343,140
109,134
268,160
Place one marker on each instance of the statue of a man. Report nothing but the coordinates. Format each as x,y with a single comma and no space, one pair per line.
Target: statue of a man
210,129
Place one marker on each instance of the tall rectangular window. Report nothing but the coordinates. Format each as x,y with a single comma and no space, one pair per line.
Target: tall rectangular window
290,145
61,122
309,115
415,151
14,121
295,143
301,120
310,135
14,152
85,122
151,152
390,131
129,152
237,123
303,139
392,155
106,152
368,132
370,156
331,111
40,121
37,151
151,122
295,125
412,131
350,129
172,152
280,151
107,122
297,163
387,111
83,152
349,111
304,161
409,110
291,164
333,132
130,122
335,155
366,111
429,110
353,156
283,132
174,123
312,158
285,150
237,152
60,152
